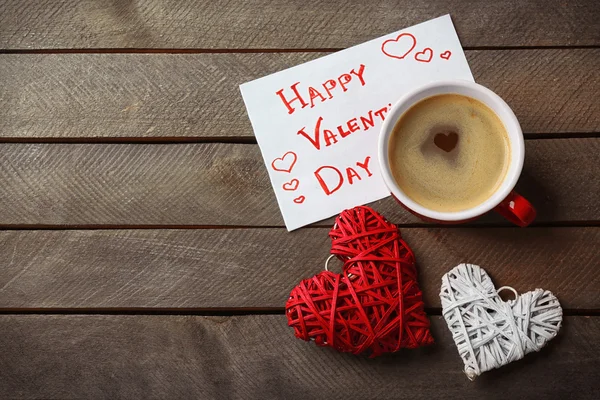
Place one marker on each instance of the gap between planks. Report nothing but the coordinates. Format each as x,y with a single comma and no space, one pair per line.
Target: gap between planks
558,224
209,311
225,139
316,225
256,51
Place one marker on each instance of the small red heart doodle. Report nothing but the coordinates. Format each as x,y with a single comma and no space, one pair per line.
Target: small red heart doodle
424,56
291,185
399,47
285,163
299,200
446,55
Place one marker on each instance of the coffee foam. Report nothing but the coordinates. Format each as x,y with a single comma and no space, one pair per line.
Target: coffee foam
455,180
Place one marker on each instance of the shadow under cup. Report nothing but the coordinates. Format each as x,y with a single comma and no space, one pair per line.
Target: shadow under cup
504,200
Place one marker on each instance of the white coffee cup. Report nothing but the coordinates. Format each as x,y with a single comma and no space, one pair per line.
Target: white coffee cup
504,200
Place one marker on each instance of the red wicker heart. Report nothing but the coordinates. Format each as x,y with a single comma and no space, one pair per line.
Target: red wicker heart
375,305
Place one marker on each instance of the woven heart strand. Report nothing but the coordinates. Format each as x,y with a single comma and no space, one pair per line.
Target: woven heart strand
488,331
375,306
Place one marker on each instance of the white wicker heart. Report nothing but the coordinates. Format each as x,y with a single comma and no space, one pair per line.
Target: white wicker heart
488,331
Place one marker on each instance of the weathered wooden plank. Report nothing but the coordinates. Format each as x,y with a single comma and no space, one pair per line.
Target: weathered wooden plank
227,184
257,357
28,24
257,268
197,95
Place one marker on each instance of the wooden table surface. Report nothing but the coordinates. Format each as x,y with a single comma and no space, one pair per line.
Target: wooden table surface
142,252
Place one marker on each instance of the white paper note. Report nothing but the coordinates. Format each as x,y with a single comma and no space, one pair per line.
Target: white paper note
317,124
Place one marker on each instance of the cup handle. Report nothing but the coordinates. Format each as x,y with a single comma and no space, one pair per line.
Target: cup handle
517,209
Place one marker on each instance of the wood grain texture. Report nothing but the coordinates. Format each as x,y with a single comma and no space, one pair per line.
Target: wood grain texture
29,24
197,95
227,184
257,357
257,268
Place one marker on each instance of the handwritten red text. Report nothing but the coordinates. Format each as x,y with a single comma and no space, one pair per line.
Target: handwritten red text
332,178
364,122
303,97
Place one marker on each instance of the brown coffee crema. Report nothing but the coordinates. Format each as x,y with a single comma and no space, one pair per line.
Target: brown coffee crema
449,152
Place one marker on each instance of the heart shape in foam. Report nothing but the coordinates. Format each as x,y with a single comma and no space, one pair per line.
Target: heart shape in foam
375,305
488,331
446,141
